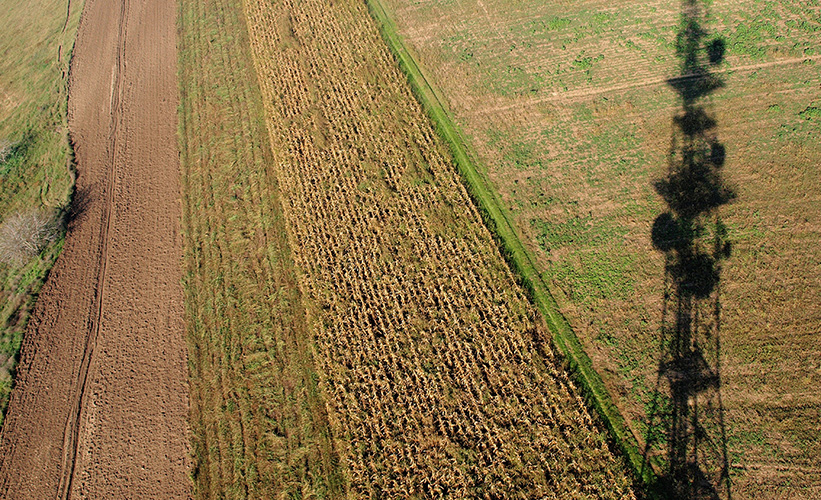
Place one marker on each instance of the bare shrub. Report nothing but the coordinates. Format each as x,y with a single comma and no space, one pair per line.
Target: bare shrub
5,150
25,234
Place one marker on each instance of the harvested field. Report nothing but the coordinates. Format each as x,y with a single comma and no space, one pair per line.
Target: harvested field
99,409
437,374
576,115
259,421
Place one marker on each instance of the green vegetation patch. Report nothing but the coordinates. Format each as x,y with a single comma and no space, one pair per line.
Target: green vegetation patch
603,273
812,113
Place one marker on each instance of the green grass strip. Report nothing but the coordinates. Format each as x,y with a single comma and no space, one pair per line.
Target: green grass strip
563,336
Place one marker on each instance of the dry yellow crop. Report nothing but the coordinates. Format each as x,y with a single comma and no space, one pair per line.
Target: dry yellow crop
436,370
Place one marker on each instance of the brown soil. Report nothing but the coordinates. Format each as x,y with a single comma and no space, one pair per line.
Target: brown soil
100,406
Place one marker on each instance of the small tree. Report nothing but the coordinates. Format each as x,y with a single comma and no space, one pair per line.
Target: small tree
25,234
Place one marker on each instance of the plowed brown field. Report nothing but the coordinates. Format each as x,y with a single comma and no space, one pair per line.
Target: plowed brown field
99,410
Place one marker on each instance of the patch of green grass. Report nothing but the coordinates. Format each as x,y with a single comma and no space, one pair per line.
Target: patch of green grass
750,38
602,276
584,62
520,155
578,230
549,23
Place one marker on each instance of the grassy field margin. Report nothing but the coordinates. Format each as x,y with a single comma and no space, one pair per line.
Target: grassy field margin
516,254
36,171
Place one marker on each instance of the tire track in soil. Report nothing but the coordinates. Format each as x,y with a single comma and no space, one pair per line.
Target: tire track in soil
575,95
62,31
70,442
101,399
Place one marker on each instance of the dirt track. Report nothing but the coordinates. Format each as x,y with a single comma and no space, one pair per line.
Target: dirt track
102,398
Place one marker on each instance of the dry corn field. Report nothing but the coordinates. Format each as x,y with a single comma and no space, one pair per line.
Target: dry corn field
395,355
436,375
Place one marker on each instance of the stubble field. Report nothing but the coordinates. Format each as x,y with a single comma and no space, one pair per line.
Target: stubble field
575,114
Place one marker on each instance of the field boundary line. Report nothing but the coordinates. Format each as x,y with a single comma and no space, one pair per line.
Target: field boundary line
573,95
514,251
